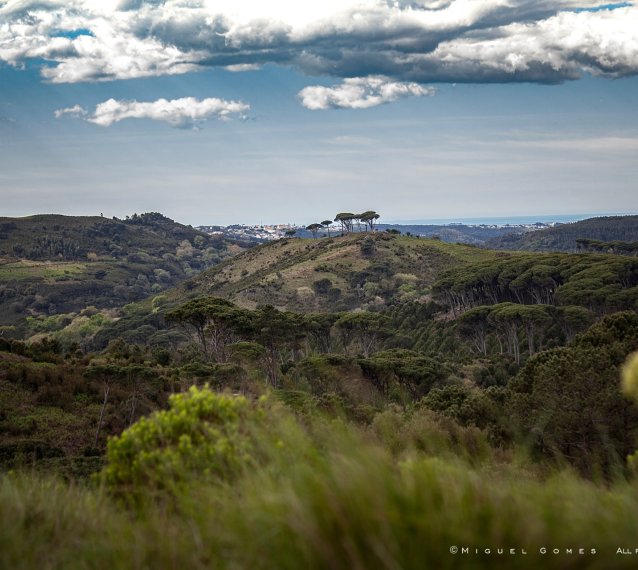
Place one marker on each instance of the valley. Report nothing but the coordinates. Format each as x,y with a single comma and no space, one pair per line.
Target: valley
503,366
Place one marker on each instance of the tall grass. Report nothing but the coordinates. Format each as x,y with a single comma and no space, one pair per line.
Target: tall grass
329,498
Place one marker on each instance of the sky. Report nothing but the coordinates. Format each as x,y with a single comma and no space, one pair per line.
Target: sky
246,111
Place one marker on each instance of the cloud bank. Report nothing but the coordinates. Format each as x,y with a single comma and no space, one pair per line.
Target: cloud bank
420,41
182,113
359,93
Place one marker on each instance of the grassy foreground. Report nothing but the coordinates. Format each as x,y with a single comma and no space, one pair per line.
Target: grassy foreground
316,495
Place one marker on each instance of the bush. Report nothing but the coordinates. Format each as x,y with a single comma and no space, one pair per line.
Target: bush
630,377
203,435
322,286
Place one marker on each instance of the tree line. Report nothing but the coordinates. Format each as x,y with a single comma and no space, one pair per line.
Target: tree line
218,328
614,247
347,222
600,283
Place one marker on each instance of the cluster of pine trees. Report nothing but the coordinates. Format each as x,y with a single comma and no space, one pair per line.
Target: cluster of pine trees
347,220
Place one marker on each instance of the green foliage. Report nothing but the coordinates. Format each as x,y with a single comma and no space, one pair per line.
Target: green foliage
346,220
630,377
469,407
213,321
408,370
341,502
322,286
368,247
616,247
314,229
48,323
369,217
362,331
599,283
202,436
568,401
424,431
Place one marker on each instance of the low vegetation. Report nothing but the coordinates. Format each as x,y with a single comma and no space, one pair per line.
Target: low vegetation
323,496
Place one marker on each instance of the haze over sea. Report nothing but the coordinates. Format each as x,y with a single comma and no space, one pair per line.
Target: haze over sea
505,220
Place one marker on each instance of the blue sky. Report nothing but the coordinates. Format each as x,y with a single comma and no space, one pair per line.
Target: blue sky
421,110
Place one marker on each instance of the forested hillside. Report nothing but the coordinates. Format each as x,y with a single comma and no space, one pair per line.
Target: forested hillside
568,237
353,386
50,264
456,233
369,318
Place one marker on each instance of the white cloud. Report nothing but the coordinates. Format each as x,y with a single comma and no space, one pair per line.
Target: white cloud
360,93
561,47
184,112
407,40
75,111
243,67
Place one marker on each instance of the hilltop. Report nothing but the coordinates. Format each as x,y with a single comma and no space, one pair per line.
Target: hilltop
52,264
357,270
566,237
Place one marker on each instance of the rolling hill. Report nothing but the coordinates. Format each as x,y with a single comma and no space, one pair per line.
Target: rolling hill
343,273
383,271
52,264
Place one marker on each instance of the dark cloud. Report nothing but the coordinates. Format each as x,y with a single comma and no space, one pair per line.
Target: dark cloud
426,41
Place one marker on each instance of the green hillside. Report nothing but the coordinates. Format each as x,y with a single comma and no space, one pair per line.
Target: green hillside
51,264
343,273
387,272
565,237
475,390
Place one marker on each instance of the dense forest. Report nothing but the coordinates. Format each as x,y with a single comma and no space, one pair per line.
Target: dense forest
371,400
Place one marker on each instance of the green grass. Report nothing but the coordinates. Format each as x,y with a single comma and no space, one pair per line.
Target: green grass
329,498
35,270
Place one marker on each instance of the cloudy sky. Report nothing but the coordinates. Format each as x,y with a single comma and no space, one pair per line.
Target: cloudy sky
229,111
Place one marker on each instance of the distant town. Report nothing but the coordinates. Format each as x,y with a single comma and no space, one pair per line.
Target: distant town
258,233
452,232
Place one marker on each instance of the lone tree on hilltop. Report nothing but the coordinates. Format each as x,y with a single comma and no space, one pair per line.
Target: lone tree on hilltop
314,228
326,224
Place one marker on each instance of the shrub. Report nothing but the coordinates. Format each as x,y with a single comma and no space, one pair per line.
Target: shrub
203,435
322,286
630,377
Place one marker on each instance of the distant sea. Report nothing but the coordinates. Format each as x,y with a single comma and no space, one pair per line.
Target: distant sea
502,220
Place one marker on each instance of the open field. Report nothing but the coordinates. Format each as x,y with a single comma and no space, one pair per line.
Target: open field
42,270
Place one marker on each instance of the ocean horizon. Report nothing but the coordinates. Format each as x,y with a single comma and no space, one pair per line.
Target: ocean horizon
504,220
